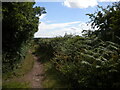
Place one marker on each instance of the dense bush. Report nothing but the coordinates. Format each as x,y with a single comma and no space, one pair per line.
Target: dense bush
89,63
84,62
19,23
107,21
93,60
47,47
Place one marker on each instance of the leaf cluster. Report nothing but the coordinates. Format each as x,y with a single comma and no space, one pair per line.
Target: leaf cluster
84,62
19,23
107,21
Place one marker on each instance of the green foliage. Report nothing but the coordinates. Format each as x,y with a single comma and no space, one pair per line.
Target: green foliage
85,62
107,21
19,23
23,67
16,85
52,80
14,79
93,60
89,65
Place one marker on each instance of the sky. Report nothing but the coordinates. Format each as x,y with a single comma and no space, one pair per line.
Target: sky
67,16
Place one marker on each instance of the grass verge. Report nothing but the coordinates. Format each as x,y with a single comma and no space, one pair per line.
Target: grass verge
53,78
15,84
10,79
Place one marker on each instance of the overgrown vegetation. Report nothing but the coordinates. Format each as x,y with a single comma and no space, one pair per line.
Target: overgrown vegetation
19,23
107,21
24,67
93,60
85,62
15,85
13,79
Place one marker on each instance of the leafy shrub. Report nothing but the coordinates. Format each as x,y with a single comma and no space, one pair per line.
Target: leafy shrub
84,62
87,62
19,26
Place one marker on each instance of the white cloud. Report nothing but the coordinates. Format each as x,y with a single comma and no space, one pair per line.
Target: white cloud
80,3
42,16
59,29
84,3
45,26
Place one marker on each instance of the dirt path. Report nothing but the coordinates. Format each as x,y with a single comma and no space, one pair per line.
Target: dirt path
36,75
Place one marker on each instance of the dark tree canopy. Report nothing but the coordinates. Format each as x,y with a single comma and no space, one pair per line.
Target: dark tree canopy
107,20
19,23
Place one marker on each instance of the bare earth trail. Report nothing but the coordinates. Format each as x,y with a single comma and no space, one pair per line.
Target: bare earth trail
36,75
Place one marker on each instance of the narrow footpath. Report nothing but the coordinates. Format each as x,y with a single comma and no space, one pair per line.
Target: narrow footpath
36,75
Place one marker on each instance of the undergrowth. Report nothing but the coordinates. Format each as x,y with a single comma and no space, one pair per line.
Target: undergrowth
82,62
10,79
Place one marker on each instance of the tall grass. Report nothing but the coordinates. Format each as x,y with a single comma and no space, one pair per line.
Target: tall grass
10,79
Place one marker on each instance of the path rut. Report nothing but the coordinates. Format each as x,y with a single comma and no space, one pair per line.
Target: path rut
36,75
